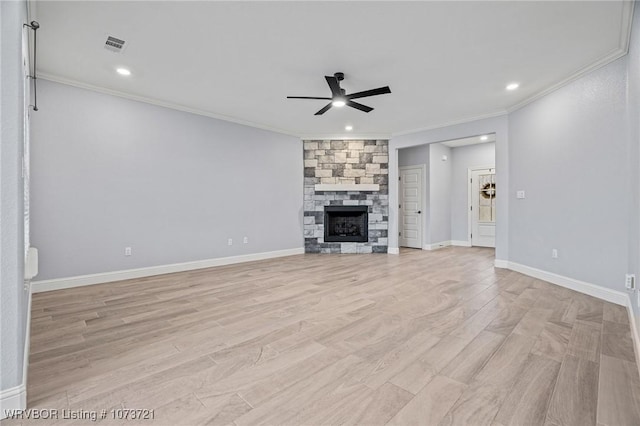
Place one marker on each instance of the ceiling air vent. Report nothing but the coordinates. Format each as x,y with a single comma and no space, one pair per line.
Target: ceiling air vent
114,44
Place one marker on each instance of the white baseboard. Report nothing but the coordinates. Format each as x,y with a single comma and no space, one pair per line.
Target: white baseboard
460,243
27,342
441,244
13,399
436,246
106,277
393,250
613,296
499,263
633,321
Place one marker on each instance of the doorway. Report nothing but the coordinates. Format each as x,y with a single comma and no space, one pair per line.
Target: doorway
482,206
445,218
411,206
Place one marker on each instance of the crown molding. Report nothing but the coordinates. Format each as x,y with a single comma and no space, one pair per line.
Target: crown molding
624,39
612,56
344,137
626,24
622,50
452,123
157,102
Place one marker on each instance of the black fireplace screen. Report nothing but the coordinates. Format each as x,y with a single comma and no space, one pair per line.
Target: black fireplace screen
346,224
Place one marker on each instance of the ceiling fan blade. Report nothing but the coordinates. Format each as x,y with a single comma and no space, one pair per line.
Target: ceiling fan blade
359,106
325,109
372,92
307,97
334,85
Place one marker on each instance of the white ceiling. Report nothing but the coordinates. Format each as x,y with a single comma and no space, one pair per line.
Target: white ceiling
445,62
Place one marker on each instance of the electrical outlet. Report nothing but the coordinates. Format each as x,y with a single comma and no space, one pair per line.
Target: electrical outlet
127,251
554,253
246,240
230,242
520,194
630,281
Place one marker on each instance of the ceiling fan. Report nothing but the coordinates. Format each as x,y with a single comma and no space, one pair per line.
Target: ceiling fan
339,98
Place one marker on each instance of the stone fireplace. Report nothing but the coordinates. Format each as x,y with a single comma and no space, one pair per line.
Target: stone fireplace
346,201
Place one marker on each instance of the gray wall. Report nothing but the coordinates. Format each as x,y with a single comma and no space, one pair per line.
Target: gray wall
439,194
463,158
569,152
633,91
110,173
498,125
414,156
13,298
417,156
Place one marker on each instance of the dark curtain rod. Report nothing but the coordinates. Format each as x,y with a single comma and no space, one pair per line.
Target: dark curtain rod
34,25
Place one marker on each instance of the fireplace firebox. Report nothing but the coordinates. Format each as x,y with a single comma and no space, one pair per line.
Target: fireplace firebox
346,224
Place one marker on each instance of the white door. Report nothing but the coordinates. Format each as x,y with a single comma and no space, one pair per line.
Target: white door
411,206
483,207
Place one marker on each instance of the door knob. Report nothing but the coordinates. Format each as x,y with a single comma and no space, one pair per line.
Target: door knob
419,211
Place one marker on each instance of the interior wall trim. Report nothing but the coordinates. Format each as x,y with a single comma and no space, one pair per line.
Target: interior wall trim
158,102
633,321
500,263
13,399
620,51
607,294
460,243
603,293
106,277
435,246
464,120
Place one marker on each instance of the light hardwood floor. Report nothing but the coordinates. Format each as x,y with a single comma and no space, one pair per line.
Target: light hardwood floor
423,338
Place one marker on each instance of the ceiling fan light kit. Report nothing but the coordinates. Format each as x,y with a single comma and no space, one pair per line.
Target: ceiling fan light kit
339,97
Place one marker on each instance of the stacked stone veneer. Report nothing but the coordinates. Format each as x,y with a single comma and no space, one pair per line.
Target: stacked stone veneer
346,162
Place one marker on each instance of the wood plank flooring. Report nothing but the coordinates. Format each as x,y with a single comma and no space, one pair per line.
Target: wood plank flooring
423,338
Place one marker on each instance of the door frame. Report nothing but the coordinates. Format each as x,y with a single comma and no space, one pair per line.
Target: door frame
470,170
424,224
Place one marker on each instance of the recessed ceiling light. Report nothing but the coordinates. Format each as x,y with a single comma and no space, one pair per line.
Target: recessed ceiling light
513,86
484,137
123,71
348,128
